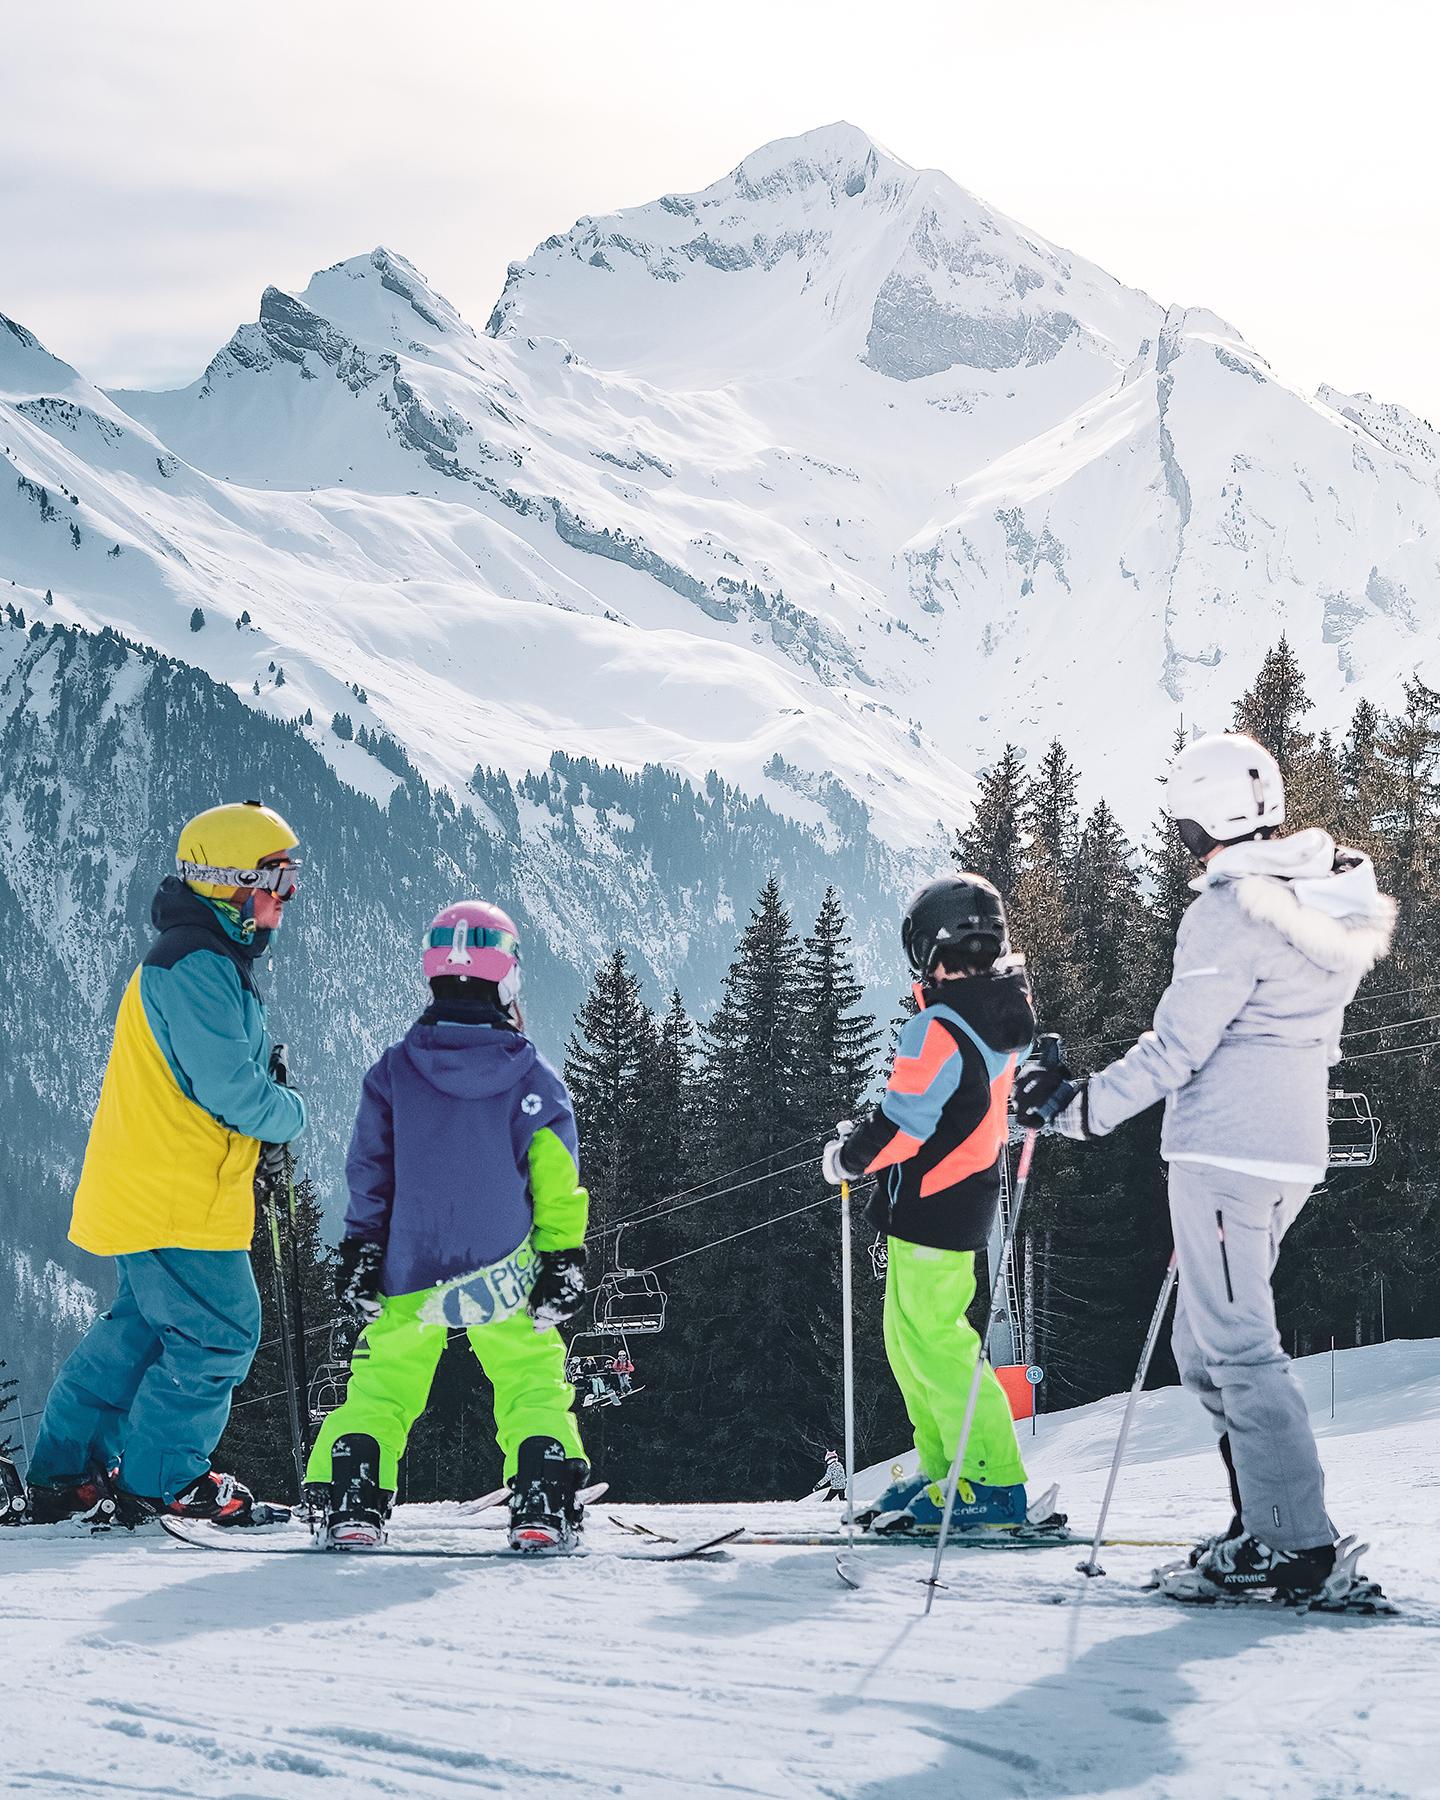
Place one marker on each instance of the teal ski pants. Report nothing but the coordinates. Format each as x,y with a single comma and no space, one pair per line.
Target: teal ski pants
148,1387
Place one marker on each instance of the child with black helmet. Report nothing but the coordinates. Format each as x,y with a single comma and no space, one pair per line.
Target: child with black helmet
935,1142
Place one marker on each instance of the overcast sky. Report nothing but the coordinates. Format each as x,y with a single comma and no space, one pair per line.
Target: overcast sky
160,163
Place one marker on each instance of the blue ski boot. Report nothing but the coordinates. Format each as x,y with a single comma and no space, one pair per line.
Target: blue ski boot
978,1507
901,1491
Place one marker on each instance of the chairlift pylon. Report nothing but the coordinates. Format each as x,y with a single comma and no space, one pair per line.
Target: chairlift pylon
1354,1130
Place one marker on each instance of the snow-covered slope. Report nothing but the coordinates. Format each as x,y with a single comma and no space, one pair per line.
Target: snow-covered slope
138,1666
829,471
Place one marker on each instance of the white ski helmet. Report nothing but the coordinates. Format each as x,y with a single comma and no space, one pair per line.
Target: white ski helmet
1223,789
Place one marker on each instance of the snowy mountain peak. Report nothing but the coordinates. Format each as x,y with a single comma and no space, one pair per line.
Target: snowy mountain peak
27,368
820,248
841,157
382,298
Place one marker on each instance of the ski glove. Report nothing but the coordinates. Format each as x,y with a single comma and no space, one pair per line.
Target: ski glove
832,1161
1043,1090
559,1290
1074,1120
272,1166
357,1280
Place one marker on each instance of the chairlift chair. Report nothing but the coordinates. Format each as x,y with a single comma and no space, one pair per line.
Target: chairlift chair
630,1300
1354,1131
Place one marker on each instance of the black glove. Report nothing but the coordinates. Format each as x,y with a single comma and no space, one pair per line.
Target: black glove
1042,1092
280,1064
272,1166
357,1280
559,1290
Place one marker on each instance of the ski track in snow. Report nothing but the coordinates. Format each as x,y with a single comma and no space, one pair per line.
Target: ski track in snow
136,1666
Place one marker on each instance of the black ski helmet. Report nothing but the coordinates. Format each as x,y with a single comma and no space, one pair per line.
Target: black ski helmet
954,912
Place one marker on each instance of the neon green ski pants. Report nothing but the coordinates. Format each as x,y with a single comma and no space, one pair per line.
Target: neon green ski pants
933,1350
395,1362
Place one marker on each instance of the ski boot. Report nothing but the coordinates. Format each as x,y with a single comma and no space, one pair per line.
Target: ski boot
902,1490
1243,1565
354,1509
545,1508
1206,1546
212,1497
93,1502
978,1507
13,1504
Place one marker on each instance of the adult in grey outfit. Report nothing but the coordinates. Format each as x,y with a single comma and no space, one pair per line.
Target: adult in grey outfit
1267,958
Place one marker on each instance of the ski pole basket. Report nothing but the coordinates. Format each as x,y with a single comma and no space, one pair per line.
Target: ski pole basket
630,1300
1354,1131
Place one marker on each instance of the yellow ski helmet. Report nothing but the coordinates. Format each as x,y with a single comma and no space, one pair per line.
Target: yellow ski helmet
222,848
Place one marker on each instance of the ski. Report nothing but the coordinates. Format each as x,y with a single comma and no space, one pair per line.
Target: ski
486,1502
1018,1539
648,1532
203,1536
1346,1595
490,1512
1345,1591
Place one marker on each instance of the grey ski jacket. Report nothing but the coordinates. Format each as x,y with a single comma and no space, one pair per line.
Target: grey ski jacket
1266,960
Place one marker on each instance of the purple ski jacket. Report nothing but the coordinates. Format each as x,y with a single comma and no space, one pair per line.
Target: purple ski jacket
464,1142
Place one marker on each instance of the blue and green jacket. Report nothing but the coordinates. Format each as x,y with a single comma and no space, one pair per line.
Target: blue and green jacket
187,1098
464,1144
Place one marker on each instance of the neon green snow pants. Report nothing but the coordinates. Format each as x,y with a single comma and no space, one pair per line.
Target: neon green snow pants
395,1362
933,1349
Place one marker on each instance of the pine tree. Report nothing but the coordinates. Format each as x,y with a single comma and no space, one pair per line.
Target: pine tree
992,844
761,1310
754,1065
670,1154
837,1042
1169,870
1054,814
1271,709
604,1063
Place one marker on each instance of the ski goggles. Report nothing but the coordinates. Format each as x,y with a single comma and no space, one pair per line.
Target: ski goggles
278,878
460,938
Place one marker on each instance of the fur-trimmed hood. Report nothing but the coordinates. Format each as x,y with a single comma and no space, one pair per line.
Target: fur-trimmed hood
1321,898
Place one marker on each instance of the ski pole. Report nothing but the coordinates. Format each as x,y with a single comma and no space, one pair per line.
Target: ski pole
847,1334
297,1305
1092,1566
284,1321
287,1347
952,1484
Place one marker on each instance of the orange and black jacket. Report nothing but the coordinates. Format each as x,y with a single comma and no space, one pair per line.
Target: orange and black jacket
935,1140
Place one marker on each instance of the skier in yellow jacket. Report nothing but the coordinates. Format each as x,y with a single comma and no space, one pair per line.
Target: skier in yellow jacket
167,1189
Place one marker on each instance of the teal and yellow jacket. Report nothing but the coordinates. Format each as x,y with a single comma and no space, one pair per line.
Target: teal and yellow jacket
187,1098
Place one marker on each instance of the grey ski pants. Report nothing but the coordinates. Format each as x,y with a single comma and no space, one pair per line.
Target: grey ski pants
1228,1229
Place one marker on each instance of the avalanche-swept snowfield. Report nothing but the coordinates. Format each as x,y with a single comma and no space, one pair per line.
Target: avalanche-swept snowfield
137,1666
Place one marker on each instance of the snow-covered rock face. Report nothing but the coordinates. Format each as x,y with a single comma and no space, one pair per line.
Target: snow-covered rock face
829,477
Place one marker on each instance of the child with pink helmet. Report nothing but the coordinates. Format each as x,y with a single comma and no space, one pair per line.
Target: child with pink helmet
465,1209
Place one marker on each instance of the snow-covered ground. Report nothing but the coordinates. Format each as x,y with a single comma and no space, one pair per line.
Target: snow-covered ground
135,1666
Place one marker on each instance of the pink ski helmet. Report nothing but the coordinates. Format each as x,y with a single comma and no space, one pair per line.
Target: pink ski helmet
476,940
